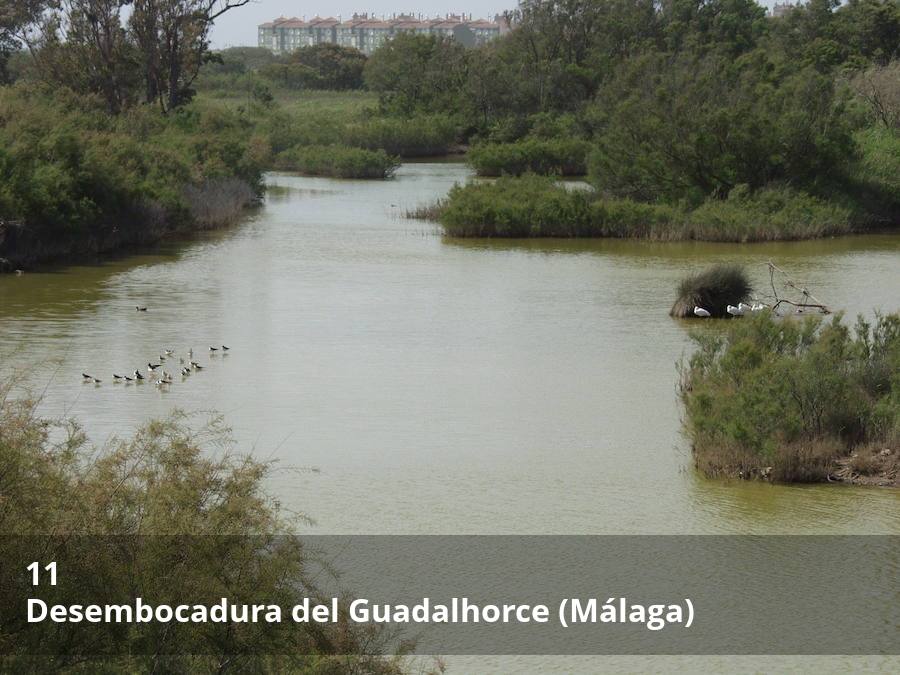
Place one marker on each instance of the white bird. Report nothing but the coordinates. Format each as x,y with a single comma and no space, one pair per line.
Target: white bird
744,307
734,311
702,313
758,307
168,352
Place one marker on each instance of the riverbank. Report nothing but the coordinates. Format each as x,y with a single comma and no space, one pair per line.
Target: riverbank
77,182
796,401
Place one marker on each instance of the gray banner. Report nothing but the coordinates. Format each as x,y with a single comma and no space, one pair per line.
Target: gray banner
490,594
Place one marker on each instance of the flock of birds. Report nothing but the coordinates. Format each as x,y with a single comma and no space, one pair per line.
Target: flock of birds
156,374
741,309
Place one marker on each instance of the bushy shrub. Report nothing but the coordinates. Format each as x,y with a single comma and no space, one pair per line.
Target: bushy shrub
532,206
173,515
520,207
338,161
772,213
67,166
560,156
713,289
788,399
419,136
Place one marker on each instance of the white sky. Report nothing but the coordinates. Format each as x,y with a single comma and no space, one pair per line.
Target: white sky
238,27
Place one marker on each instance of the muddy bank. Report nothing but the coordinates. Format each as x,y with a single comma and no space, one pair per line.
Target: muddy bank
216,203
874,465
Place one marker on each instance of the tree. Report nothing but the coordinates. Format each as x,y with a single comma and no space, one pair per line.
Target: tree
681,127
173,39
336,67
417,72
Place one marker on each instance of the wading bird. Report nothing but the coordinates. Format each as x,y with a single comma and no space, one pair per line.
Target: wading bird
734,311
140,309
702,313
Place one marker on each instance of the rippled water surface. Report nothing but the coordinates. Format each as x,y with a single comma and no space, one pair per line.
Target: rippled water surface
438,386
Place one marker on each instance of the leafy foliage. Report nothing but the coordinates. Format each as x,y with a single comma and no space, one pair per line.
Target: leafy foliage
795,396
564,157
533,206
338,161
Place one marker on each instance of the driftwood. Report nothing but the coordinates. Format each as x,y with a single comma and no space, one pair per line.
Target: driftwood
806,300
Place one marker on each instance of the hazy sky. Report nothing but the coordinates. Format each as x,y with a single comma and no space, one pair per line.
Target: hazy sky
238,27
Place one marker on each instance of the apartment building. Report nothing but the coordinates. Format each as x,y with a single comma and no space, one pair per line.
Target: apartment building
367,33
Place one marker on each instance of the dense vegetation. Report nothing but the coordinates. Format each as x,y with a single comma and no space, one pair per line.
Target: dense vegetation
559,156
693,119
685,105
170,479
536,206
337,161
794,400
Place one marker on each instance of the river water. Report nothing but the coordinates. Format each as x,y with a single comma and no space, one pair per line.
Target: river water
436,386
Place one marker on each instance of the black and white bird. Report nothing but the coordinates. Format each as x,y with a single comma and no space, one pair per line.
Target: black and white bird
140,309
185,372
137,375
162,359
213,349
196,366
129,379
152,366
168,352
87,377
225,349
96,381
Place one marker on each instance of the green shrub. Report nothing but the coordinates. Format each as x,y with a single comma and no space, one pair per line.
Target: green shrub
773,213
788,399
420,136
564,157
171,514
338,161
68,167
533,206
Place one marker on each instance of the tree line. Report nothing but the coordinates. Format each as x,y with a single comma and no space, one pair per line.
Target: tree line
126,51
